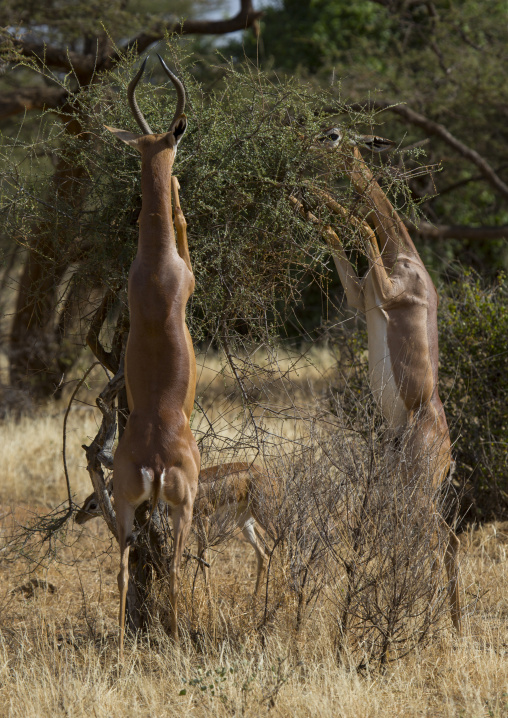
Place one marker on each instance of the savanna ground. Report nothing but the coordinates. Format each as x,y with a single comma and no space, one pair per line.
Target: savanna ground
59,636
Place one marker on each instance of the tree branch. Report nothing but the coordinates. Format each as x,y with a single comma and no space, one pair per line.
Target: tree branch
92,338
84,66
245,18
449,231
59,58
100,452
434,128
463,182
30,98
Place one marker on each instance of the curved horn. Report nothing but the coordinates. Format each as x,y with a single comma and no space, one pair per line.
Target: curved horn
180,90
138,115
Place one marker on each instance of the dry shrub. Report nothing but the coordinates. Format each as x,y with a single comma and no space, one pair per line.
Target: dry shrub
388,548
354,533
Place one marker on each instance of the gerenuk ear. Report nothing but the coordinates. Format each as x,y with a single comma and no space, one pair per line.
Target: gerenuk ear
130,138
178,128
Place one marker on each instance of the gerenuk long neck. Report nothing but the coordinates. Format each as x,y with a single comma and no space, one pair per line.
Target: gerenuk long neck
391,231
156,233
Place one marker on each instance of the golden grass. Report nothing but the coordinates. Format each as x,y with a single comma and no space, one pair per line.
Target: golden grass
32,466
54,664
58,651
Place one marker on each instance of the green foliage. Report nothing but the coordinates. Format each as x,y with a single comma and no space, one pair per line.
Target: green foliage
240,160
209,682
313,34
474,351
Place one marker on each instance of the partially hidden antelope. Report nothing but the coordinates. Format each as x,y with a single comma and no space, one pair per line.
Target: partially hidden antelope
236,491
399,301
157,455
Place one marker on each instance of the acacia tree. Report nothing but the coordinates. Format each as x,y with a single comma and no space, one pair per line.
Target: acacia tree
51,54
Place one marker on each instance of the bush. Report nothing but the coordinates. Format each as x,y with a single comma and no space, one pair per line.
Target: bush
473,328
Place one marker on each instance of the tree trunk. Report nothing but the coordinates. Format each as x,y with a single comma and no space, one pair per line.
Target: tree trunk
39,354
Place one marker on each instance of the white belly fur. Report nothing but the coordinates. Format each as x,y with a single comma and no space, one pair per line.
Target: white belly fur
382,381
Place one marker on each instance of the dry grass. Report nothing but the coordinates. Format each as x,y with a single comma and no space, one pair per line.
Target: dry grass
58,651
59,654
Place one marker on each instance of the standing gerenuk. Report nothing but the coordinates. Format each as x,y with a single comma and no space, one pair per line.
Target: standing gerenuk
157,456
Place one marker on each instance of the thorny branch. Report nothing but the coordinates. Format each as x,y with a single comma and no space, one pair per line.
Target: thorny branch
242,388
64,436
100,450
